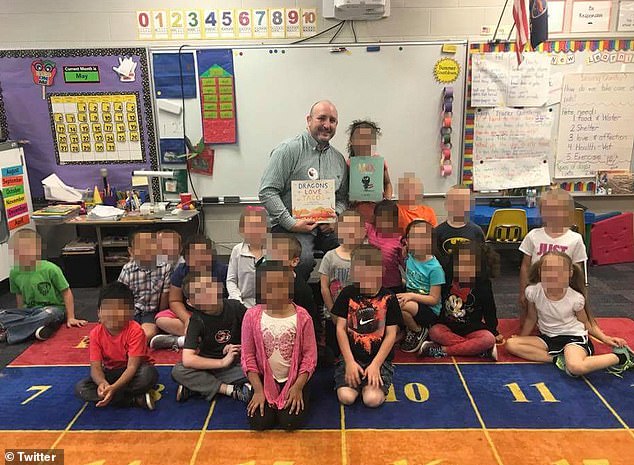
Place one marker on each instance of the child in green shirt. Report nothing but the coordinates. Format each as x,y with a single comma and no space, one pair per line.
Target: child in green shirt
43,296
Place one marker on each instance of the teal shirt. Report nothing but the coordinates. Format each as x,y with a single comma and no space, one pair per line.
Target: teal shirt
41,286
421,276
290,161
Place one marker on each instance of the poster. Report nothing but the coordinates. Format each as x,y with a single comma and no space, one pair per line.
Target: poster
177,184
616,182
591,16
15,202
626,16
366,179
217,96
314,200
95,128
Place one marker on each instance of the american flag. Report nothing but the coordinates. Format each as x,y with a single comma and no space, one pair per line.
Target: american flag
521,26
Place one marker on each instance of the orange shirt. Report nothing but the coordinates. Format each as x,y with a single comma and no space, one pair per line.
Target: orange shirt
419,212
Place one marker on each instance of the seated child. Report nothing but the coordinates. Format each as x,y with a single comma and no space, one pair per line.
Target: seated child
198,255
121,373
287,249
424,277
41,291
211,353
457,228
362,143
556,207
467,300
279,353
368,317
169,248
386,236
410,202
148,281
557,302
246,255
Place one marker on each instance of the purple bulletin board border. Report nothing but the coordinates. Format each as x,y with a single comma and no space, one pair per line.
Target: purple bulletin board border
150,149
119,162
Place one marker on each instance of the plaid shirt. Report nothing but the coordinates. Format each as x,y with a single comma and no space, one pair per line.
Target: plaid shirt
147,285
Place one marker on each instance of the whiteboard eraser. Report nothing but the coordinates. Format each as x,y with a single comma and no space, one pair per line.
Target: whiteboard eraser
170,107
231,199
210,200
373,48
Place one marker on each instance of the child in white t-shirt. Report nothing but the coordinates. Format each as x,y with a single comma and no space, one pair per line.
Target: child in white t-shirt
557,296
556,208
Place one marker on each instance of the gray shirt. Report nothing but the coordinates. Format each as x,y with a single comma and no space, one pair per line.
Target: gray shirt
291,161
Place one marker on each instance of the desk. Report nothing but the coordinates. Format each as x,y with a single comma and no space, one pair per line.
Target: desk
112,236
482,214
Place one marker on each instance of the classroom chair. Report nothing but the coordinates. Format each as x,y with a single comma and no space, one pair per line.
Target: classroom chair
579,225
508,226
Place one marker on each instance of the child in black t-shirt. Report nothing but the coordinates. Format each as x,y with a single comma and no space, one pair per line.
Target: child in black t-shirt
211,354
367,323
468,321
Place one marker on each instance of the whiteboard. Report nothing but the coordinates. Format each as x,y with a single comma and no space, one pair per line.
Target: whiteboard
275,88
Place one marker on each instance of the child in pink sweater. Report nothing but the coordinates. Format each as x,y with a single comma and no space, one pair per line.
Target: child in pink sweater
279,351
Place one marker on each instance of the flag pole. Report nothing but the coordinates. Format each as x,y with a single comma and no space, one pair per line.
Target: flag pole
510,32
495,34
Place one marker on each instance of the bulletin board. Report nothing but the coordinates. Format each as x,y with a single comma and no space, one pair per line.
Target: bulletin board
48,107
398,85
566,57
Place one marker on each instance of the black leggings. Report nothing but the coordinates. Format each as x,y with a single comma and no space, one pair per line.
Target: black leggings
282,419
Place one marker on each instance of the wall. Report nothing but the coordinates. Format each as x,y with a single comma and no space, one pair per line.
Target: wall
65,23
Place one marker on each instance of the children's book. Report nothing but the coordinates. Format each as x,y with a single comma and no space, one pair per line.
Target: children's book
366,179
314,200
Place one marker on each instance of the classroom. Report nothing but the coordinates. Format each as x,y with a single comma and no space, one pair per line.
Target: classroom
329,232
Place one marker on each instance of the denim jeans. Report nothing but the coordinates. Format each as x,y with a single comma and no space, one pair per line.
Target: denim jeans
21,323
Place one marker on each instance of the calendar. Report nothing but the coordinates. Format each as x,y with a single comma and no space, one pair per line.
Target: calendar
96,128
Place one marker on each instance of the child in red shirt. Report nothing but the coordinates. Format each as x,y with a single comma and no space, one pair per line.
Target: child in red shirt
121,373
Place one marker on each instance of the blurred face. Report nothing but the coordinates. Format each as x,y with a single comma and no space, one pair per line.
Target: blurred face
466,267
276,288
26,252
199,258
458,203
363,141
254,230
386,223
322,122
555,273
419,240
555,212
169,245
350,230
205,294
114,314
410,190
369,277
279,251
144,250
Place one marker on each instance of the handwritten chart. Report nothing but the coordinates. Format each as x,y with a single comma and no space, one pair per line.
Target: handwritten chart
511,148
596,124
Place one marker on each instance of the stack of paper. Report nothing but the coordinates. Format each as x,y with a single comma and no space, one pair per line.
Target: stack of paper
55,189
105,213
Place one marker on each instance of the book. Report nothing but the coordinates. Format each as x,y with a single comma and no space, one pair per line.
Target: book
56,210
314,200
615,182
366,179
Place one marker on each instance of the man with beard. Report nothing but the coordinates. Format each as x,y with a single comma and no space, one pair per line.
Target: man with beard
307,156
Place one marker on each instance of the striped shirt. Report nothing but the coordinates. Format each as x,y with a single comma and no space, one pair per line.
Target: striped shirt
147,285
291,161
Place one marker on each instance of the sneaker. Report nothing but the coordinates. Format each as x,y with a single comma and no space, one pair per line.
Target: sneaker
182,393
560,362
414,340
618,370
433,350
164,341
145,401
45,332
424,348
491,353
243,392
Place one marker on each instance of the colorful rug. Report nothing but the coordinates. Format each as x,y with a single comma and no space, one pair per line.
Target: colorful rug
453,411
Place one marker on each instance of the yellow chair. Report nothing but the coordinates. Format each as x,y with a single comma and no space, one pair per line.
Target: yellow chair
508,225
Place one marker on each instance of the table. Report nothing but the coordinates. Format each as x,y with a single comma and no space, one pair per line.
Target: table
109,233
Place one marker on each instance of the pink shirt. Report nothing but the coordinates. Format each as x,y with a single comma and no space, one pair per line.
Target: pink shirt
390,247
254,358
